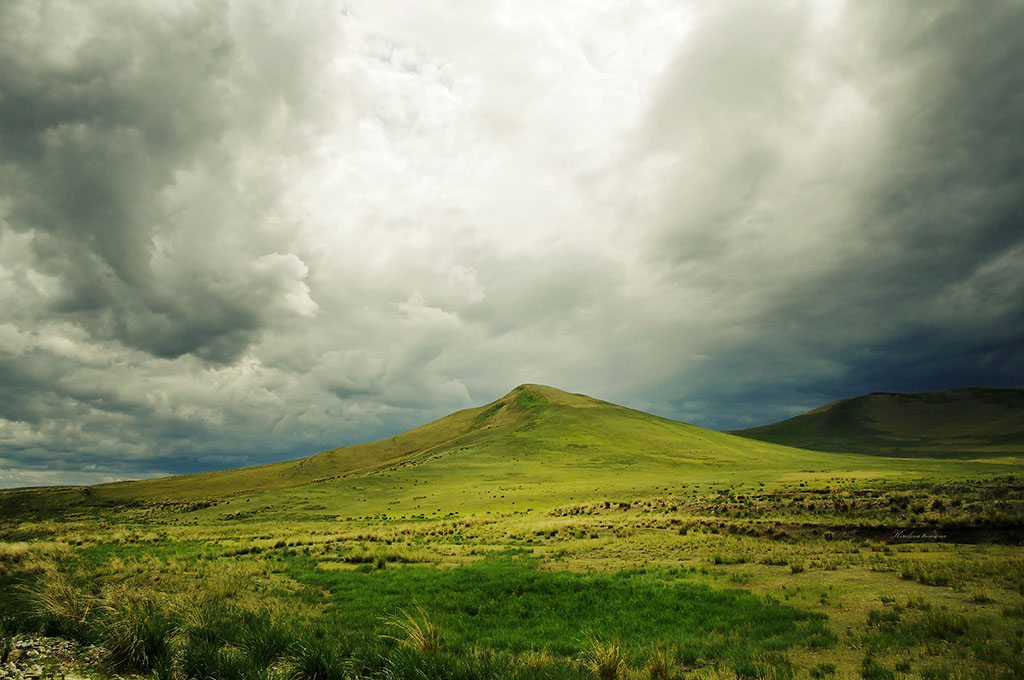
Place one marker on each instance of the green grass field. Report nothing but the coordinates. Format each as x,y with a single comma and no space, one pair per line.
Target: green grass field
545,535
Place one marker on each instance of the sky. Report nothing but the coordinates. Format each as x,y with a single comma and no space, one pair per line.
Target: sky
235,232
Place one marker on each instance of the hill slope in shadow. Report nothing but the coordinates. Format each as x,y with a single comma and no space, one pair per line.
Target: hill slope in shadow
970,422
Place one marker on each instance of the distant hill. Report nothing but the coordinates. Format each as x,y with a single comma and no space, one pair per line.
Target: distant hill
971,422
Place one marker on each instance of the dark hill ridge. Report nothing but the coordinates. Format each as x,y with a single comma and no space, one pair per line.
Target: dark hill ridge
969,422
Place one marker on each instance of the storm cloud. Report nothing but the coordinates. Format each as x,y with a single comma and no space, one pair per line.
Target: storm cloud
237,232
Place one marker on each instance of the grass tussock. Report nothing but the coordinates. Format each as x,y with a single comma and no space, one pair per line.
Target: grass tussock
30,558
418,633
606,660
62,607
135,632
315,658
661,665
872,669
6,646
980,595
942,625
536,660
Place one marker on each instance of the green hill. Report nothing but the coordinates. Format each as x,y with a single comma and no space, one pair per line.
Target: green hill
972,422
536,447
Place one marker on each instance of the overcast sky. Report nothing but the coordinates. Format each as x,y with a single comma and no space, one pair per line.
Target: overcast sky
237,232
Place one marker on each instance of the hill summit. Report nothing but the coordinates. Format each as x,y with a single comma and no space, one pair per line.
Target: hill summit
532,430
536,447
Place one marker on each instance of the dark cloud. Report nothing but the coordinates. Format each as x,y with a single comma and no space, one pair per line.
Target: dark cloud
101,122
905,276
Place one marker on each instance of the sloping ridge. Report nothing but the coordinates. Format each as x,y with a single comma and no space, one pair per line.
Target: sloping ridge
511,412
959,423
541,422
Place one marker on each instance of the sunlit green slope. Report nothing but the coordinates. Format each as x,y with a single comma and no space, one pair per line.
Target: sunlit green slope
973,422
531,425
537,447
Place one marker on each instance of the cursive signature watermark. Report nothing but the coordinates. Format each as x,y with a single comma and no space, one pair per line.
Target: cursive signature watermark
917,535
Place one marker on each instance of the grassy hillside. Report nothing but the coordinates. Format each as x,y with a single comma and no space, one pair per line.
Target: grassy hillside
972,422
536,447
544,535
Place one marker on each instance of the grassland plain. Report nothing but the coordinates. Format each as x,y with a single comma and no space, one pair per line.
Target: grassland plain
545,535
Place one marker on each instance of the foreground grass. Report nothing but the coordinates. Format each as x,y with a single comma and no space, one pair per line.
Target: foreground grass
508,604
727,582
546,535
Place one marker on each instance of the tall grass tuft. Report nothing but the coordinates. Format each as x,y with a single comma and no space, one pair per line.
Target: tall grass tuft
418,633
661,664
6,646
62,607
536,660
136,634
606,659
943,625
823,670
263,639
980,596
315,658
773,667
223,662
873,670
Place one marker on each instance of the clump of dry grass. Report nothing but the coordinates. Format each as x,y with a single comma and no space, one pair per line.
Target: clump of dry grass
418,632
606,659
135,632
63,606
980,595
661,664
536,660
30,558
13,553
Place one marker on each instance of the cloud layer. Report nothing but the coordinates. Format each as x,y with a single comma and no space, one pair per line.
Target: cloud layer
237,232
